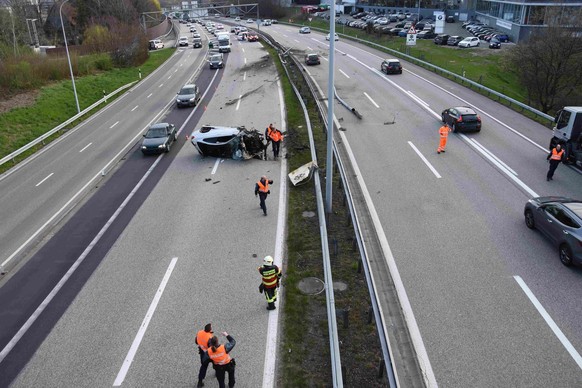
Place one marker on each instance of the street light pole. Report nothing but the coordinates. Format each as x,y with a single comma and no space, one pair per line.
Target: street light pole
68,56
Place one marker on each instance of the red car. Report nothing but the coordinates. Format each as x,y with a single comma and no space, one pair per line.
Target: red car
253,38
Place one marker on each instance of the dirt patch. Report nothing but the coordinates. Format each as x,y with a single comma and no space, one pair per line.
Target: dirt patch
20,100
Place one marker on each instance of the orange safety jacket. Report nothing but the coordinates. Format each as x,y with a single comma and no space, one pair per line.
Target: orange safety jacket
219,356
271,275
202,339
444,131
556,155
263,187
274,134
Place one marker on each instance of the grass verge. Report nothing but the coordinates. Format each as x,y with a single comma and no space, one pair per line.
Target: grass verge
56,103
305,340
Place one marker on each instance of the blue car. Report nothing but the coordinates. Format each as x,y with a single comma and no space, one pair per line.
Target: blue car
502,37
403,33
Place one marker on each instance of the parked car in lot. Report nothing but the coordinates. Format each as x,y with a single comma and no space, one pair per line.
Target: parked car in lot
183,41
228,142
425,34
158,138
391,66
494,43
312,59
215,61
471,41
336,37
454,40
461,119
189,95
560,220
305,30
441,39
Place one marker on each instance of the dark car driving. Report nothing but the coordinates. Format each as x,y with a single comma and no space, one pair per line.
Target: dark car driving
158,138
215,61
559,219
462,119
391,66
312,59
189,95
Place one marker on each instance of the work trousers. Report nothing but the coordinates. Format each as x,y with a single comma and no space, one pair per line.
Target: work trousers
203,365
276,146
442,144
262,198
553,166
271,297
221,371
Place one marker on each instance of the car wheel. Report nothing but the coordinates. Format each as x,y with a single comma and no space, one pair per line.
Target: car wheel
529,219
565,255
400,72
443,118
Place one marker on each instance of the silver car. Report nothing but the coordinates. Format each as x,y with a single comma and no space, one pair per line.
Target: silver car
560,219
189,95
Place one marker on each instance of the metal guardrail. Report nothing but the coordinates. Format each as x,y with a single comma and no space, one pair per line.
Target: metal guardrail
62,125
441,70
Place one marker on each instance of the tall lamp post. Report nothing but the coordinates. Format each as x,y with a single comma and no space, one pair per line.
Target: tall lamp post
68,56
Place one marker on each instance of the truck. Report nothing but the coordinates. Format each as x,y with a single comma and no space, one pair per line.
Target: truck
568,133
223,43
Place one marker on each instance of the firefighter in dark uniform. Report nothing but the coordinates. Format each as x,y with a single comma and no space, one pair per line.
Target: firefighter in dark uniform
271,275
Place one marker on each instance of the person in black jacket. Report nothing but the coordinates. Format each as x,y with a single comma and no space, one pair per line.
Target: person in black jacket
262,190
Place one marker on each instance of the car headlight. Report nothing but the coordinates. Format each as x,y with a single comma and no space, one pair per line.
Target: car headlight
177,100
193,99
162,146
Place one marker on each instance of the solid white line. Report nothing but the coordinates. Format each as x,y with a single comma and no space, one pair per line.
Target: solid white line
134,108
84,148
567,344
40,183
30,321
492,155
114,124
500,167
238,103
273,317
215,166
434,171
345,75
418,98
144,325
372,101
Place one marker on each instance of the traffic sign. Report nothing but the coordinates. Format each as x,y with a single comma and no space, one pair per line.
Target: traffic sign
412,30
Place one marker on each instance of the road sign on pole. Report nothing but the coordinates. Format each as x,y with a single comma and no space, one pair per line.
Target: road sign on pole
411,37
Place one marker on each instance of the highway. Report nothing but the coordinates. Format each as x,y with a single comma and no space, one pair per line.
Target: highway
454,222
165,245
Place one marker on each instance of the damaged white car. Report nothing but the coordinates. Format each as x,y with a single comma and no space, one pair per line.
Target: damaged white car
229,142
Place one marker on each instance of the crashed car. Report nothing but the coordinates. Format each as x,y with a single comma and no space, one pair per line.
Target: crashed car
229,142
252,37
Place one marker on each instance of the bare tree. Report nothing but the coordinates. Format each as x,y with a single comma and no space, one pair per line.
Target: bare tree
549,64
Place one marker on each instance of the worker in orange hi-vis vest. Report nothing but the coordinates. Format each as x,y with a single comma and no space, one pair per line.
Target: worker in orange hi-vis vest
444,133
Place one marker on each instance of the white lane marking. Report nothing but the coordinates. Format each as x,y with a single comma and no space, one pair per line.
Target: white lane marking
243,49
316,40
215,166
345,75
500,167
273,320
134,108
238,103
245,60
169,77
41,182
149,95
309,48
114,124
415,335
284,35
175,70
84,148
296,40
325,59
160,85
567,344
245,76
492,155
30,321
420,100
371,100
181,64
430,166
144,325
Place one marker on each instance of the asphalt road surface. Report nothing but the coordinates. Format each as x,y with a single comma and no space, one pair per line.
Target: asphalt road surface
454,221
